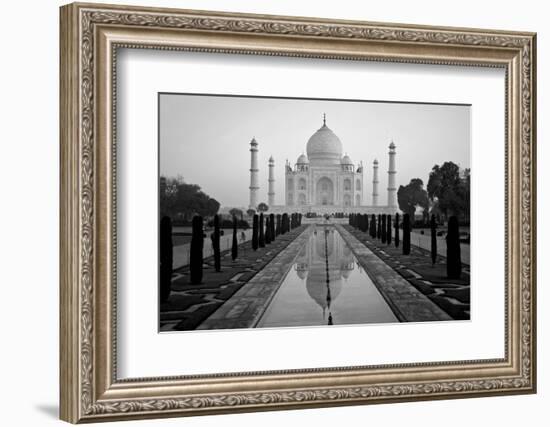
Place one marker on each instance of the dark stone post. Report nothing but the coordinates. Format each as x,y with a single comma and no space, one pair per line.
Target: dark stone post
388,229
166,258
406,235
383,230
267,230
255,232
396,225
261,238
235,244
433,229
215,236
272,227
373,226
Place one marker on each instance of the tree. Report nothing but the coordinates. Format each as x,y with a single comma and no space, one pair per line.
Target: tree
396,225
454,264
195,257
168,190
166,258
179,199
262,207
251,212
278,227
406,234
255,232
236,212
433,229
379,227
450,190
235,243
411,196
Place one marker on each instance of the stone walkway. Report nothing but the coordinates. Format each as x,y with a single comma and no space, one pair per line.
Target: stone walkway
407,302
424,241
189,305
249,303
451,295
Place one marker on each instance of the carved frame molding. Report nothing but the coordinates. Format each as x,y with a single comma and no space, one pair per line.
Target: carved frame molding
90,36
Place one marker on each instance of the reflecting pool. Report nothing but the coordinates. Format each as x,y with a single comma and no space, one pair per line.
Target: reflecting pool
326,286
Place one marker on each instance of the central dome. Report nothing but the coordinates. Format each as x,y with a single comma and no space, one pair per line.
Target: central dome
324,146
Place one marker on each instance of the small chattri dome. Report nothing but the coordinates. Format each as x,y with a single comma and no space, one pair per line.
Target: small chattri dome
346,160
271,159
392,145
375,161
302,159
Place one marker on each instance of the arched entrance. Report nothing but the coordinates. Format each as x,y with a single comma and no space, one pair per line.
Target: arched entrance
347,200
325,192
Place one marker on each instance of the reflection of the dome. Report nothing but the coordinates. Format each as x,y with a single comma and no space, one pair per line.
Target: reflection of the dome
311,265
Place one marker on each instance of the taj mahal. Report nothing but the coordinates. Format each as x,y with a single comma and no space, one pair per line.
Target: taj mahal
324,180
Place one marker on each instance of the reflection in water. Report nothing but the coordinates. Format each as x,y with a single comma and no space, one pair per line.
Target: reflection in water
326,286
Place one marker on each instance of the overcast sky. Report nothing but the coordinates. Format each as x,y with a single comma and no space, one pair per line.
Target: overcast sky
205,139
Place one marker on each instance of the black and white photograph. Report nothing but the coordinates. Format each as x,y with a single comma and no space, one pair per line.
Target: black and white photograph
289,212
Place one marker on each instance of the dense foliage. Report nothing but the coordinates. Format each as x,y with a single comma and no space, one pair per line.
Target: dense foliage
449,190
412,195
181,201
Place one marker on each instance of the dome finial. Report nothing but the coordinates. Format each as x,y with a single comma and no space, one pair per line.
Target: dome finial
324,119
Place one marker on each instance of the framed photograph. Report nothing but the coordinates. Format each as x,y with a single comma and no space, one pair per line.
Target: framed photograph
267,212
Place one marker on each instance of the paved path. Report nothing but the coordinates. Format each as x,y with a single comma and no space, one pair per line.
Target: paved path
424,241
407,303
181,252
248,304
190,304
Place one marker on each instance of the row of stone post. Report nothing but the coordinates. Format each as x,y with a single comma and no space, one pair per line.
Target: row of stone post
265,228
380,227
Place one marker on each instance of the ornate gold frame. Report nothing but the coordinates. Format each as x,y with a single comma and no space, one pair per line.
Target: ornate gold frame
90,35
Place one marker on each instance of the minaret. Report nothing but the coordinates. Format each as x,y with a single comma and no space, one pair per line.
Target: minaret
392,188
254,186
271,183
375,183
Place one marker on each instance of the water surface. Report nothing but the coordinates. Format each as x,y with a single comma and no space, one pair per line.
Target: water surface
326,286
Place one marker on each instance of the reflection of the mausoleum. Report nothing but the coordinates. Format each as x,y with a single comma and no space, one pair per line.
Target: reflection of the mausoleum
311,266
